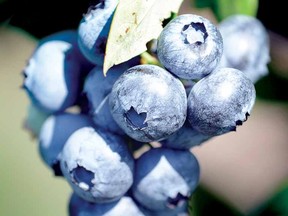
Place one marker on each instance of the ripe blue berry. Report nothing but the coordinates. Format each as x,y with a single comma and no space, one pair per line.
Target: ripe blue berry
54,133
98,165
52,77
246,45
165,178
220,102
148,103
93,30
190,46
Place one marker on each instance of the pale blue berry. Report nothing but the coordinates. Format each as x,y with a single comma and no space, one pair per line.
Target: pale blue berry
221,101
148,103
190,46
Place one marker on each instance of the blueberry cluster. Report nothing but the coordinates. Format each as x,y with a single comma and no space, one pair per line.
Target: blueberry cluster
122,141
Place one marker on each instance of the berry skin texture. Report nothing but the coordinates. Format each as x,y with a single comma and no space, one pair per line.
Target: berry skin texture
246,45
124,206
148,103
93,30
51,77
54,133
165,178
97,165
190,46
220,102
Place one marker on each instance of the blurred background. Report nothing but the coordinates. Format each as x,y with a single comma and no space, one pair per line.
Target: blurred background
242,173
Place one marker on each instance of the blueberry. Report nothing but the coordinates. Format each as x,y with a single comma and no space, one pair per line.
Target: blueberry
246,45
190,46
98,165
97,87
165,178
124,206
93,30
148,103
53,73
185,138
220,102
54,133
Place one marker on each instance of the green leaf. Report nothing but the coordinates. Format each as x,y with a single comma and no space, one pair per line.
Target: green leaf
134,24
225,8
275,205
